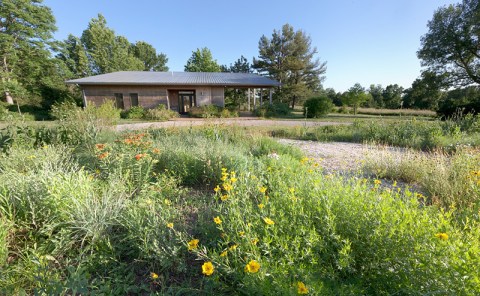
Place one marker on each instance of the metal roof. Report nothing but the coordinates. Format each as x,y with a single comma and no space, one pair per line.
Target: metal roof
177,78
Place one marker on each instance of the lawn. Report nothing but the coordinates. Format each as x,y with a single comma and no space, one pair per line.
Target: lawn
218,210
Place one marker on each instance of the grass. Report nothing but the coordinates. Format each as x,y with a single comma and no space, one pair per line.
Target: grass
216,210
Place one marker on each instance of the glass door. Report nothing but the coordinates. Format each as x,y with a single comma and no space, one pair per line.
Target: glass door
186,100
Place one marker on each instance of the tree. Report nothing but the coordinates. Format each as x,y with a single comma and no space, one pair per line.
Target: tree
355,96
26,30
392,96
202,61
288,57
452,44
235,97
317,106
146,53
376,92
425,92
74,55
106,51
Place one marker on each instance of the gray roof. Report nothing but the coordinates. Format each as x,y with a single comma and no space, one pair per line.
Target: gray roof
177,78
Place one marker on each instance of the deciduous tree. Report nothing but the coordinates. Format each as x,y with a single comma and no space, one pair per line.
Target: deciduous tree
202,61
152,60
355,96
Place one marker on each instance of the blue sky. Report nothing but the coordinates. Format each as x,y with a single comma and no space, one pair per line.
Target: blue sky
365,41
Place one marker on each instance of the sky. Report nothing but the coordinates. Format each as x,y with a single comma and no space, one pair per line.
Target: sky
362,41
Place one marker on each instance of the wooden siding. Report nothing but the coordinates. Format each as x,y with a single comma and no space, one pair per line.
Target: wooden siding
152,96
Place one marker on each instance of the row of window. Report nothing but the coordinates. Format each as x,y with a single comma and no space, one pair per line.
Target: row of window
119,102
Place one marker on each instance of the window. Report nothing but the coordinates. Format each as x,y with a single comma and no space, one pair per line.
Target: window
134,100
119,101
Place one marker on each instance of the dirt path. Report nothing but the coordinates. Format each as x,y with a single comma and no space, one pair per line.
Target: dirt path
240,121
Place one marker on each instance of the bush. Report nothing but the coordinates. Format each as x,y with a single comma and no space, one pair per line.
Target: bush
211,111
64,110
317,107
160,113
136,112
273,110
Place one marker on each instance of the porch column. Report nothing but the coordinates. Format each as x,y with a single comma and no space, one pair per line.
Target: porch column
254,99
84,97
168,101
248,107
261,97
270,96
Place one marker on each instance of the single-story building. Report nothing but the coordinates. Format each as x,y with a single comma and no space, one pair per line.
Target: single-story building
178,91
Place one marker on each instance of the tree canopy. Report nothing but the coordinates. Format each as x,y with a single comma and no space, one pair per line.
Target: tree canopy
452,44
289,57
355,96
202,61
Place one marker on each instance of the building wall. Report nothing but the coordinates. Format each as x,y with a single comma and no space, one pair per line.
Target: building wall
152,96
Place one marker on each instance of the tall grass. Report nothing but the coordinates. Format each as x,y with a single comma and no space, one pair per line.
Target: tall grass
142,213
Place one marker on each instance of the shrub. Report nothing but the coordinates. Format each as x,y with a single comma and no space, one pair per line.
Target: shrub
317,107
273,110
136,112
211,111
64,110
160,113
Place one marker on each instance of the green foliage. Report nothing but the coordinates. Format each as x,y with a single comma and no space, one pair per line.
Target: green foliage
202,61
317,107
64,110
146,53
276,109
136,112
211,111
451,45
355,96
289,58
160,113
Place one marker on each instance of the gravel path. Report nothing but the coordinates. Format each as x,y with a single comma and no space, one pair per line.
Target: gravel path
342,157
240,121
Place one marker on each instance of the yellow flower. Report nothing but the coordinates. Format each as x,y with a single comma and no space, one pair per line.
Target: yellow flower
233,247
241,233
227,187
263,189
224,197
254,241
216,189
217,220
260,206
292,190
233,179
207,268
223,178
193,244
223,254
170,225
377,182
153,275
167,202
224,170
442,235
301,288
252,266
268,221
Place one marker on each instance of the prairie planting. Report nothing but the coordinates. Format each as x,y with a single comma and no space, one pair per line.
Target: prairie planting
216,210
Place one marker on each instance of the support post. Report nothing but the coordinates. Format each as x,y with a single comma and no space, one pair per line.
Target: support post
168,101
254,99
84,97
248,108
270,96
261,97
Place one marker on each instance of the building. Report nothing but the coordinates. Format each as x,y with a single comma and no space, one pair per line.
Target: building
178,91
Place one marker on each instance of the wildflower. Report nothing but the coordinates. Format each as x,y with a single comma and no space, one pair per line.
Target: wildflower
170,225
100,146
193,244
224,170
260,206
227,187
138,156
167,202
148,201
263,189
217,220
153,275
155,150
252,266
241,233
301,288
274,155
377,182
103,155
207,268
316,164
224,197
233,179
291,190
223,178
223,254
442,235
233,247
268,221
254,241
216,189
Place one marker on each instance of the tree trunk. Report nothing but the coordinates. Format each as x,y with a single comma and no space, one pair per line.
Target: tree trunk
8,98
293,102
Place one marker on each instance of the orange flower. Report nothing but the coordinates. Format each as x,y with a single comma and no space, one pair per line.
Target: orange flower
138,156
100,146
103,155
156,150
